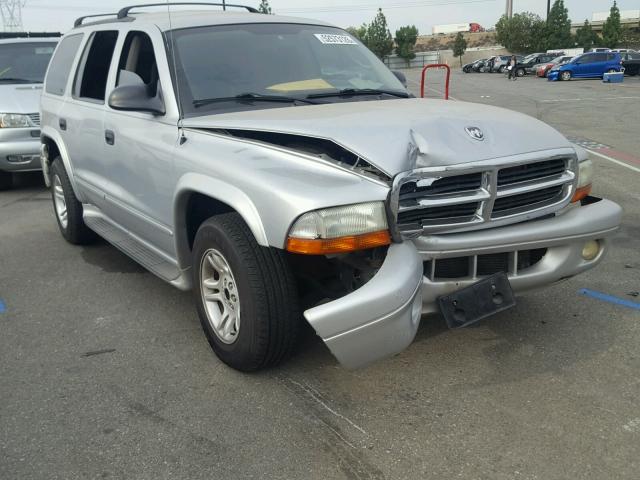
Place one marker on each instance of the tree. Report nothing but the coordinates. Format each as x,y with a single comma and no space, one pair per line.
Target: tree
559,27
459,46
612,28
265,7
585,36
378,37
523,33
358,32
406,38
630,37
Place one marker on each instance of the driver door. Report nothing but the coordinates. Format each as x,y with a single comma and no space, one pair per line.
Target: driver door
141,146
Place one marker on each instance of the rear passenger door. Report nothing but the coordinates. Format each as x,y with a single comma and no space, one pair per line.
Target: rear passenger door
138,163
83,116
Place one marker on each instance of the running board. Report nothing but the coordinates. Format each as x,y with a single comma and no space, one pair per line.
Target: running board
132,246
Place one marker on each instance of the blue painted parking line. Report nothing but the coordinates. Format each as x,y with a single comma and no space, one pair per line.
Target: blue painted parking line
609,298
3,307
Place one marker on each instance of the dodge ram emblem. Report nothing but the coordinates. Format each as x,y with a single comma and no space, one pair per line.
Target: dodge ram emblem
475,133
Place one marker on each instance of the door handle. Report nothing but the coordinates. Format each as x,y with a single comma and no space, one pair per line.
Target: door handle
109,137
63,124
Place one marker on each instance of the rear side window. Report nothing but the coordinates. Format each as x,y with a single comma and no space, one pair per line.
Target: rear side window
60,67
91,80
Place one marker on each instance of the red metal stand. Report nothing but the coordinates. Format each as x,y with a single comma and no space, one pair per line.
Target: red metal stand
424,74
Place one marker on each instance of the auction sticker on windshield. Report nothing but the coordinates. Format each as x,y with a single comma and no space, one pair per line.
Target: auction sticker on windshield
329,39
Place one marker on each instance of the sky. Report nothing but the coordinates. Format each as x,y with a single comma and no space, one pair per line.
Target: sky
58,15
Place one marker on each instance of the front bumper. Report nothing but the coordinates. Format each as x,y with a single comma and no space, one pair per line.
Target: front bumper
19,149
381,318
553,75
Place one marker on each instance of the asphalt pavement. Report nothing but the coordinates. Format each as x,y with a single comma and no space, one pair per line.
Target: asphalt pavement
105,373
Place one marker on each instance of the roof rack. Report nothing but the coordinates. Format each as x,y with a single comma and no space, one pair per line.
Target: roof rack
124,12
79,21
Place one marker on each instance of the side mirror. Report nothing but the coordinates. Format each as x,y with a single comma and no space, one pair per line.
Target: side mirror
400,76
133,96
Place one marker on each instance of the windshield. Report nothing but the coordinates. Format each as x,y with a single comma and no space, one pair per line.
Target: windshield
288,60
529,58
24,62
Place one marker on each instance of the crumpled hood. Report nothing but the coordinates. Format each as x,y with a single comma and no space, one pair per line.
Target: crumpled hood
399,135
21,98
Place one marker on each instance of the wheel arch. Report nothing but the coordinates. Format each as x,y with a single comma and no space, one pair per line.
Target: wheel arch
199,197
55,147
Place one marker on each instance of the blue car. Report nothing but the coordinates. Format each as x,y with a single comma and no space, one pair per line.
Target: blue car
588,65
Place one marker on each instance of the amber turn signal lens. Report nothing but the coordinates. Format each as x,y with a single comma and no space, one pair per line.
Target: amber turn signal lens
325,246
581,193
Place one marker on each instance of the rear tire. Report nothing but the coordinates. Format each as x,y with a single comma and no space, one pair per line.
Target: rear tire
249,285
67,208
6,180
502,69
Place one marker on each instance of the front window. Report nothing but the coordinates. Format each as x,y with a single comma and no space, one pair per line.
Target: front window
216,64
24,62
529,58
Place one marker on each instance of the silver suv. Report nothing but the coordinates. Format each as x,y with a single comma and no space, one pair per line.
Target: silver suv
23,64
276,167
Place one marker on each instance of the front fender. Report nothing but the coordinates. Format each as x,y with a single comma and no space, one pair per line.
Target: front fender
219,190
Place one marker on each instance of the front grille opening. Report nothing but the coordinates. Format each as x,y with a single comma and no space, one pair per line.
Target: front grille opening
489,264
451,213
455,184
505,205
531,171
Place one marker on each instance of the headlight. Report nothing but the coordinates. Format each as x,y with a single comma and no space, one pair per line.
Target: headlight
340,229
585,179
14,120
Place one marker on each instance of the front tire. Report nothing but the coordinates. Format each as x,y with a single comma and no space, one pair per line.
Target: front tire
245,295
6,180
520,72
67,207
565,76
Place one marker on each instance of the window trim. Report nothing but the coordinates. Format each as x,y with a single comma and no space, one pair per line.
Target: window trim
80,68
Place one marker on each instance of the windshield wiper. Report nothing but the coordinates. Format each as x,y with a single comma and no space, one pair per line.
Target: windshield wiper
18,80
251,97
350,92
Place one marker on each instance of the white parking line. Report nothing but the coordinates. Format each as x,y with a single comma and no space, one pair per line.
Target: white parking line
630,167
560,100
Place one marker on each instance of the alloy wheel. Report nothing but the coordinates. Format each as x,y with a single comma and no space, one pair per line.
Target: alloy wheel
220,296
59,202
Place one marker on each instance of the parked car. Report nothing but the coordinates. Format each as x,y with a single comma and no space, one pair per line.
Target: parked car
631,63
530,62
599,50
502,61
250,177
624,50
476,66
23,63
543,68
588,65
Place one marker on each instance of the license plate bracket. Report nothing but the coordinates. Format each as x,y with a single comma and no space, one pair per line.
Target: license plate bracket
475,302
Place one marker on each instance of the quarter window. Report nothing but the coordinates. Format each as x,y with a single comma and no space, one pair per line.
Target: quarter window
91,81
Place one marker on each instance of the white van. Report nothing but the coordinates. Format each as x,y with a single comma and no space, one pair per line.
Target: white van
23,64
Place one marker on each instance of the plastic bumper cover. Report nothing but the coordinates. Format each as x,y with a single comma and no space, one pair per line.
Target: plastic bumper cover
563,236
23,143
380,318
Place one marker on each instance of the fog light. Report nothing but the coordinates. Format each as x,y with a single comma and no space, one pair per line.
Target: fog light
590,250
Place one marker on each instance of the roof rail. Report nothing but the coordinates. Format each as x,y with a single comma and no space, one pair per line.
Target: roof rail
79,21
124,12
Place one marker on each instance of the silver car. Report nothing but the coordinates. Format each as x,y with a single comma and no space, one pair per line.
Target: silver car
278,169
23,63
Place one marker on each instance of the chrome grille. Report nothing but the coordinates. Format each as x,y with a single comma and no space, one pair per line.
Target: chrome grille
466,197
35,118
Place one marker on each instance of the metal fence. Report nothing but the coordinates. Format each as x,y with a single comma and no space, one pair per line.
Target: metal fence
421,59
